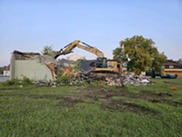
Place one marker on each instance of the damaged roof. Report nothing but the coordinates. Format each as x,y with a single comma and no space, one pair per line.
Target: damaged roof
24,55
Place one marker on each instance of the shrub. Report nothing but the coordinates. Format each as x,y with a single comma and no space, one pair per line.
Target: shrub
11,82
26,81
63,80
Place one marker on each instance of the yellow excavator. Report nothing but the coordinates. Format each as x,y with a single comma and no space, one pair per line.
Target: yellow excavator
102,67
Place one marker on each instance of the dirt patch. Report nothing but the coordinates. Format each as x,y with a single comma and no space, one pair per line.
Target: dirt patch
106,97
158,98
164,95
102,92
119,105
140,109
165,101
151,95
173,103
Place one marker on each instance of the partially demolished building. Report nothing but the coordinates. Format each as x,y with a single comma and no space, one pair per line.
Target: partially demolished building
32,65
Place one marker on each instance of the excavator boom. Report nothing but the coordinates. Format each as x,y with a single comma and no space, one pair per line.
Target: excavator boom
91,49
69,48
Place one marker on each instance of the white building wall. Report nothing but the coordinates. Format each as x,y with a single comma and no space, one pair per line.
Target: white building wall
31,69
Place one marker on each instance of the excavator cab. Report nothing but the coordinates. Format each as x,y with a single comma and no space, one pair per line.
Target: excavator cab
101,63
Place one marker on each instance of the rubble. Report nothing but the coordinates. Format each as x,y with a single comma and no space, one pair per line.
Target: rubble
44,83
113,81
45,70
87,65
136,80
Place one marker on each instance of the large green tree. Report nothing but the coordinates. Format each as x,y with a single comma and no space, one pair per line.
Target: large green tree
139,54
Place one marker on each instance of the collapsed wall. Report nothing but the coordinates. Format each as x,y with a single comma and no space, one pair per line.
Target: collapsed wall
33,66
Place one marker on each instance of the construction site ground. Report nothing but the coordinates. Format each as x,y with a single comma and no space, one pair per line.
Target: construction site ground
92,110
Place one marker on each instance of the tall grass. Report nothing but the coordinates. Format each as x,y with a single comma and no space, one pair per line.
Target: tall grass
73,111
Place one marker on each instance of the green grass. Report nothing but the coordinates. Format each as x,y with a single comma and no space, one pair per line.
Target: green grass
93,110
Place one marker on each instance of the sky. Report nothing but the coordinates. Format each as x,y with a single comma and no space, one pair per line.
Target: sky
29,25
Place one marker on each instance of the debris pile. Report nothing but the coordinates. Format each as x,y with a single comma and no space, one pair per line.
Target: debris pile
113,81
45,70
44,83
136,80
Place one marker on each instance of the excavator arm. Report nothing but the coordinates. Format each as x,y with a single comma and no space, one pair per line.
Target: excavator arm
69,49
91,49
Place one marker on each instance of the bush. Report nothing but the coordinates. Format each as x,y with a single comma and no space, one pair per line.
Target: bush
63,80
11,82
15,82
26,81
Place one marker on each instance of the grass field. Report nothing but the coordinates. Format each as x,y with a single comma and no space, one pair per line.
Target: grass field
92,110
